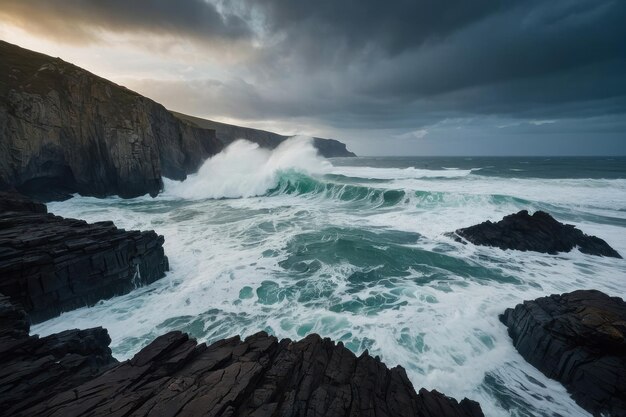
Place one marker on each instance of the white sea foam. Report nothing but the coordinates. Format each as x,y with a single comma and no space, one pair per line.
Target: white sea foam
244,169
398,173
442,326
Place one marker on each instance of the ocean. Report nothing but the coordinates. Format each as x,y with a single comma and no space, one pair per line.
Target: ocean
355,249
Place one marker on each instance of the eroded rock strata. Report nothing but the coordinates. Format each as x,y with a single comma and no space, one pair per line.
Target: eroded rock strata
175,376
33,369
579,339
539,232
72,373
50,264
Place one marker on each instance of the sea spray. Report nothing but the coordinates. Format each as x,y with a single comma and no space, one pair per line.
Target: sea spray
244,169
366,261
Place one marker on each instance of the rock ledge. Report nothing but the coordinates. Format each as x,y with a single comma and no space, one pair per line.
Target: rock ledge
539,232
579,339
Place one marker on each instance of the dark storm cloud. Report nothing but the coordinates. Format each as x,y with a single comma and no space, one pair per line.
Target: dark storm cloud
75,18
483,57
402,64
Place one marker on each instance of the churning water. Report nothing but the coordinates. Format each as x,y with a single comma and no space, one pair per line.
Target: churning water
354,249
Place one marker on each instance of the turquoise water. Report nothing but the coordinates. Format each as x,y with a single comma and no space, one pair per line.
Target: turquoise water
355,250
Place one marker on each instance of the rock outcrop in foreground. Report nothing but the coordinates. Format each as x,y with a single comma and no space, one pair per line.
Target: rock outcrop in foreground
579,339
539,232
73,374
32,369
50,264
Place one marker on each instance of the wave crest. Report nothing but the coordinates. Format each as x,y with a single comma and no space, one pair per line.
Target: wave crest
244,169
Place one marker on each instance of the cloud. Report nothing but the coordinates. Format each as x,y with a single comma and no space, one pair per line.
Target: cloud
393,67
79,21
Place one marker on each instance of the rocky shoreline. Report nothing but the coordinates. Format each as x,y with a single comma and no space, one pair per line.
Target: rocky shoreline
73,374
50,264
579,339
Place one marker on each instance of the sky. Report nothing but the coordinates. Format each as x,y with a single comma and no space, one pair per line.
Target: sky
396,77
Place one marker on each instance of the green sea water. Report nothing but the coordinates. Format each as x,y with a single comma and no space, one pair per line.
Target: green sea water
356,249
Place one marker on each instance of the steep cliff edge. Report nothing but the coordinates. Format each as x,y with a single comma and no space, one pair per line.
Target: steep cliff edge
67,130
328,148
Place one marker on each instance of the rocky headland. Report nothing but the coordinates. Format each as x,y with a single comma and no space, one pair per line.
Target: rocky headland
64,130
539,232
579,339
50,264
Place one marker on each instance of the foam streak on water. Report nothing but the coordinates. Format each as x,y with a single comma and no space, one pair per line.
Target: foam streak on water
358,254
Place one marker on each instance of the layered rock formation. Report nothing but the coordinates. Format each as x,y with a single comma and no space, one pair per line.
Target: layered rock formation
328,148
578,338
73,374
50,264
32,369
539,232
174,376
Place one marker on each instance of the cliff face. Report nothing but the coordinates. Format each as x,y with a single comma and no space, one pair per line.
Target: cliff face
328,148
64,130
67,130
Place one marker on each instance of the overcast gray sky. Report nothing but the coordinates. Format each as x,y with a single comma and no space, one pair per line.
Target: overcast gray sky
421,77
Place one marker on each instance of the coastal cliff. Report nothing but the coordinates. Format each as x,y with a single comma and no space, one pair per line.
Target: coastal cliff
64,130
328,148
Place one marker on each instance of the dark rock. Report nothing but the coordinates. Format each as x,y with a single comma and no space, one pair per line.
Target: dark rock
174,376
13,201
579,339
64,130
33,369
328,148
539,232
50,264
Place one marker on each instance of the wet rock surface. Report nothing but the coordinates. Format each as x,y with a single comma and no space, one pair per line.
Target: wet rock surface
13,201
50,264
579,339
539,232
175,376
33,369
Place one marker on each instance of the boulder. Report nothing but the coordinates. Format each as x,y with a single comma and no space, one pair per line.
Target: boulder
539,232
259,376
50,264
579,339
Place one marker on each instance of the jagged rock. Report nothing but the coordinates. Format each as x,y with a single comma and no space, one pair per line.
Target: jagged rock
50,264
13,201
33,369
328,148
14,322
579,339
174,376
539,232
